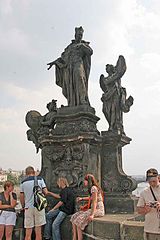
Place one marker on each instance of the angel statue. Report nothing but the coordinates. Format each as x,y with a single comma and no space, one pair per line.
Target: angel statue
114,96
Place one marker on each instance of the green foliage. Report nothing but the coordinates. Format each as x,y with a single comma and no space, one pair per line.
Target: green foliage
14,179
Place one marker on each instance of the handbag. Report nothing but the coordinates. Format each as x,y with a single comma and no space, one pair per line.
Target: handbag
86,206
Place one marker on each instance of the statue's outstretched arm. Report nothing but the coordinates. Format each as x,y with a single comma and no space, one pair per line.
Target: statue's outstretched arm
58,62
50,64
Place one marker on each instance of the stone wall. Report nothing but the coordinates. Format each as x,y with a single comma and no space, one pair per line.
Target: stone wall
109,227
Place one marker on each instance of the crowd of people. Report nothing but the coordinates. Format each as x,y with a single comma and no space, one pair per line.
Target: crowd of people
148,205
34,219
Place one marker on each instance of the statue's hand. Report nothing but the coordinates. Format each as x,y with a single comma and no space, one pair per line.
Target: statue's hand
50,65
78,46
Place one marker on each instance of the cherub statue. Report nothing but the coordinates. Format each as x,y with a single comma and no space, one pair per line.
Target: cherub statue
49,118
41,125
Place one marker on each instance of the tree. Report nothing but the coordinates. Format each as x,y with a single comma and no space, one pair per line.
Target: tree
12,178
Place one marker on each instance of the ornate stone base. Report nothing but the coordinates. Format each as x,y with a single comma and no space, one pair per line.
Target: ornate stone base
115,183
70,159
114,180
72,146
72,149
75,120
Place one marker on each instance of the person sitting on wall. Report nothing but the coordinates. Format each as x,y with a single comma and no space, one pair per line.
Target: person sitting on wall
82,218
64,207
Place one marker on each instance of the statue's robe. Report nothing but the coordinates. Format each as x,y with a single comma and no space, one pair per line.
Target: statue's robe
72,72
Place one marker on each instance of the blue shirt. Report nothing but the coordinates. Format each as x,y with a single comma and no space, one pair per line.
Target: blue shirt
27,186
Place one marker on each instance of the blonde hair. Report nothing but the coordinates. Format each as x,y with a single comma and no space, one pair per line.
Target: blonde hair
63,180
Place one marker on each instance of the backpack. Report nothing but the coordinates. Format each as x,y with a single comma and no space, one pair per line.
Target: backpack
40,201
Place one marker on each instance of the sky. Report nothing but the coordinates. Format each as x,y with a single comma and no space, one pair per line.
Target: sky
35,32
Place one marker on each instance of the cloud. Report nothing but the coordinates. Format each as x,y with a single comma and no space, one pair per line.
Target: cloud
5,7
149,62
127,27
16,42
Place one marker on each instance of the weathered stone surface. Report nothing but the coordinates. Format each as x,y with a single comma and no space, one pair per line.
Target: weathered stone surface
75,120
106,230
114,180
73,147
116,184
109,227
115,227
132,231
118,204
72,160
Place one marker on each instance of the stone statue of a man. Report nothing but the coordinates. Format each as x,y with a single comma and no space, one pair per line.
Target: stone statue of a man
73,68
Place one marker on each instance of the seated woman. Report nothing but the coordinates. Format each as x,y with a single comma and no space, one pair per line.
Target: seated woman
81,218
8,201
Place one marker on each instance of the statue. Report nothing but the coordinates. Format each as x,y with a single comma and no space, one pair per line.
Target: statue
49,118
41,125
114,96
73,68
33,119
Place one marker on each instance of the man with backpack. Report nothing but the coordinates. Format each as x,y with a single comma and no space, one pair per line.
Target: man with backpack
34,216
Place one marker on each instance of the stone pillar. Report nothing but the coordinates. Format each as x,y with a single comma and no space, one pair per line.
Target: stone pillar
115,183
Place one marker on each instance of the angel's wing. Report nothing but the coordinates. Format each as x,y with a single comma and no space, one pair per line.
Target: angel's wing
121,66
102,83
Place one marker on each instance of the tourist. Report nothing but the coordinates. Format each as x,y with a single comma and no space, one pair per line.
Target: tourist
82,218
8,201
149,205
33,217
64,207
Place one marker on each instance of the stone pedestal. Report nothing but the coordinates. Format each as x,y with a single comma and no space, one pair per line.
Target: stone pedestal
115,183
72,148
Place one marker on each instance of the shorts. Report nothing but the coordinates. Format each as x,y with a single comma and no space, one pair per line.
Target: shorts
34,218
7,218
